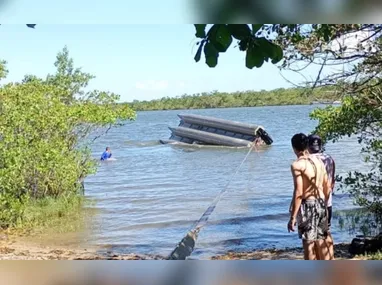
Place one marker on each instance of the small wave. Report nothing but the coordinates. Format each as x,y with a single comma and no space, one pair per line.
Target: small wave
193,147
143,143
200,146
109,159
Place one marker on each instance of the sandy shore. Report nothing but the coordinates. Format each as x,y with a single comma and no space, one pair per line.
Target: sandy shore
22,249
28,247
341,253
19,251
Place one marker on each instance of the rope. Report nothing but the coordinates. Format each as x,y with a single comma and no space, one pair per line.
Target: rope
187,244
204,218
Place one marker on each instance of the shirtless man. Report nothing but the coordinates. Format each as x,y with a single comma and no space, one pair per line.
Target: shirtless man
308,207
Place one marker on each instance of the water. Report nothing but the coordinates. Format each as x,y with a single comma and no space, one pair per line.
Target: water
151,194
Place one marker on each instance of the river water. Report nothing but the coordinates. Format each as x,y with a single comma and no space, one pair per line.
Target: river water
149,197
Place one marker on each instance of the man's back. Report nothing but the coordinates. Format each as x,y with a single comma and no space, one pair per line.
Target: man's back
313,177
328,162
330,170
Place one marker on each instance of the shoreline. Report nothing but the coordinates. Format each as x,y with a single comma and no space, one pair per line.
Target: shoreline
222,107
13,248
341,252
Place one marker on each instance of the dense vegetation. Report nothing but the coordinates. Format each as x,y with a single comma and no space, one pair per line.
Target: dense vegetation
44,126
292,96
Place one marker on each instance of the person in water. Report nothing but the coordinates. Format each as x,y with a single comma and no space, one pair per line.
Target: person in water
308,206
315,149
106,154
258,141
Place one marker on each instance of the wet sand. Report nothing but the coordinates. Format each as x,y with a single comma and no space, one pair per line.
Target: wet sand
27,251
32,246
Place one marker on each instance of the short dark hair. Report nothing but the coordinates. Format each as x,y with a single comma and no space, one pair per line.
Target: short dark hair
300,142
107,148
315,143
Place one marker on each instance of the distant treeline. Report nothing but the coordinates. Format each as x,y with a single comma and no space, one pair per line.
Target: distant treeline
281,96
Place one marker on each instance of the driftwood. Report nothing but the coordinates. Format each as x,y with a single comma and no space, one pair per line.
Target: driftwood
366,244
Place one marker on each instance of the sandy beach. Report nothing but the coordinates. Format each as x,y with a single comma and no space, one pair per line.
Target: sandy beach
13,248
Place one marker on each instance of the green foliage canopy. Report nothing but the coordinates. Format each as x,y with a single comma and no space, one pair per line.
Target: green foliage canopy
45,125
277,97
220,37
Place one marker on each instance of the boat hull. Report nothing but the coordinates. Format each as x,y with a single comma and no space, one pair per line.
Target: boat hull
209,138
232,126
197,129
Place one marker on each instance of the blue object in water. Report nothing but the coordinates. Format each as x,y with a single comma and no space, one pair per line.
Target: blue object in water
105,155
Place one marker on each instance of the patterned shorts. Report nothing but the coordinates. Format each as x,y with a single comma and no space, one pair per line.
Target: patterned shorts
312,220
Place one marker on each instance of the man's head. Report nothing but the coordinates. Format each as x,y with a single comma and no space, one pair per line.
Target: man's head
299,143
107,148
315,144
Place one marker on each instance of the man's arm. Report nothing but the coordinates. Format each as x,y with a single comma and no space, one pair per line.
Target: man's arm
291,201
297,194
326,186
333,175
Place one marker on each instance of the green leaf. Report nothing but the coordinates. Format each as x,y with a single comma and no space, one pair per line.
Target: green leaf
211,54
269,50
326,32
212,61
256,28
254,57
200,30
240,31
243,44
278,54
199,52
220,36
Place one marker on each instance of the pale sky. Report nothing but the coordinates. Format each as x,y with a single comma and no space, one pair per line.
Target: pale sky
136,61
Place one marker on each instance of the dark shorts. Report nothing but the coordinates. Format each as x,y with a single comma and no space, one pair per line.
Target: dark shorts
329,216
312,220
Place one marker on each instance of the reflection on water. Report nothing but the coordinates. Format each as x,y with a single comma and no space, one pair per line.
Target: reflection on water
150,196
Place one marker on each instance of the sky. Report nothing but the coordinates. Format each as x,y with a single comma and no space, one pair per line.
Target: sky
137,61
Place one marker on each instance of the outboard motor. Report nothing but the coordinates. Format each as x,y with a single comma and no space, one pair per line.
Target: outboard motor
265,136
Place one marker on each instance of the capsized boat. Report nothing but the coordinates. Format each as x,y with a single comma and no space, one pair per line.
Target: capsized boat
204,130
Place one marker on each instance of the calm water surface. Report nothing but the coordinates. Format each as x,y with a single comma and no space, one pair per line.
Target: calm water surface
150,196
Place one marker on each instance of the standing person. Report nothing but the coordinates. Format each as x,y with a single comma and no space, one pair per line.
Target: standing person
106,154
315,149
308,205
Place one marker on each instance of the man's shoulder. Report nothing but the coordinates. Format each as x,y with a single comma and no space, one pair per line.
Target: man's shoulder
324,156
327,157
317,159
297,165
